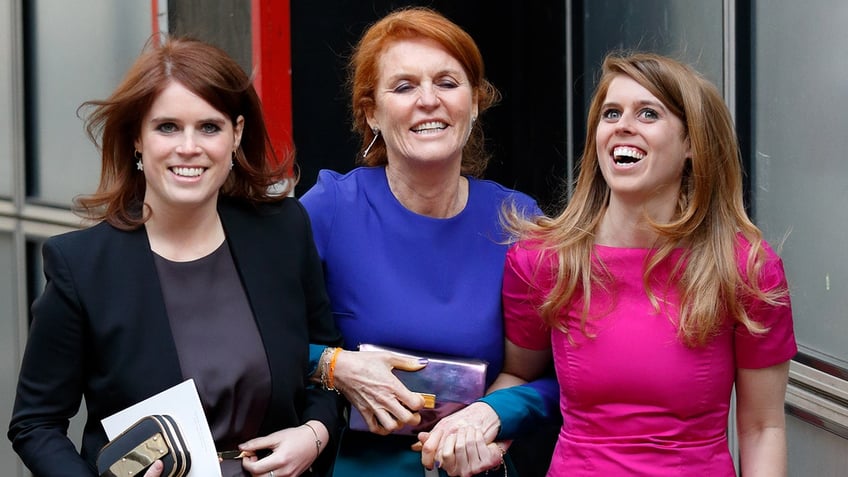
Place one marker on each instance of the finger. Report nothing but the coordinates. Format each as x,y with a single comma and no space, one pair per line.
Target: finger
446,455
264,442
431,443
407,363
155,469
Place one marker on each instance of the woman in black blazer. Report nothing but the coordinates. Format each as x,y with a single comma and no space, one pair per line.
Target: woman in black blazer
195,270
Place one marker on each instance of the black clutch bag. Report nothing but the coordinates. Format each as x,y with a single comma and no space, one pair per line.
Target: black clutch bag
151,438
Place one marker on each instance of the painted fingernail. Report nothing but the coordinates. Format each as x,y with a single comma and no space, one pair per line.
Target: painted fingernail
438,465
423,361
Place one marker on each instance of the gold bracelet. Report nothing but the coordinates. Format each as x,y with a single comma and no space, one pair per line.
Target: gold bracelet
317,443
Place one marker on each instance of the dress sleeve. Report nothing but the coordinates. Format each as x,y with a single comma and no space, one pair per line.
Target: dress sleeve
51,380
777,345
521,409
320,204
521,296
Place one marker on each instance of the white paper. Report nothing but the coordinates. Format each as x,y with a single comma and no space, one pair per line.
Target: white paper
183,404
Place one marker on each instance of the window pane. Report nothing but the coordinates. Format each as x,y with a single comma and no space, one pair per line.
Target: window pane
77,51
6,99
8,340
689,30
799,98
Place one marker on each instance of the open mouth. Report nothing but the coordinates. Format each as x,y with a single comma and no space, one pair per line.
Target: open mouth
429,127
624,155
187,171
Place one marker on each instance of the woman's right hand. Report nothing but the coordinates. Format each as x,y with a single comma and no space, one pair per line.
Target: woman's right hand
365,378
155,469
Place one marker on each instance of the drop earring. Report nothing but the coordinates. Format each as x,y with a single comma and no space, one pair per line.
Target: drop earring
138,165
376,135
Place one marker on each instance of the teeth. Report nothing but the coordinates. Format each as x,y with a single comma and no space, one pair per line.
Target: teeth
623,152
429,126
187,171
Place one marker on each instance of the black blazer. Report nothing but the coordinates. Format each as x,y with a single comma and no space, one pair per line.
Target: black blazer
100,330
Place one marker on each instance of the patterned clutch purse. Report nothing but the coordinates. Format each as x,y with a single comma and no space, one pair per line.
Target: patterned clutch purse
151,438
448,384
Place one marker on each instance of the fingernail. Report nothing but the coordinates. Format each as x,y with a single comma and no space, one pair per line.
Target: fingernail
438,465
423,361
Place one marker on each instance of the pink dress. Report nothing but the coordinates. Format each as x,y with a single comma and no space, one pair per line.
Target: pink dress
636,401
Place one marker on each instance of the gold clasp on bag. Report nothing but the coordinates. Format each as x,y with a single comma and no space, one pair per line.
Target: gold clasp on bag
142,456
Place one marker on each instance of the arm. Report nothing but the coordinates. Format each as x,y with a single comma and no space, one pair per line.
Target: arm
761,420
51,379
294,449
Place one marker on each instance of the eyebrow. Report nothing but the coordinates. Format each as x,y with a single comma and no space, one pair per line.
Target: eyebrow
640,103
169,119
440,73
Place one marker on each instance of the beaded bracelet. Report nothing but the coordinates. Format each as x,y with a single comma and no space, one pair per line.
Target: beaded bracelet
332,369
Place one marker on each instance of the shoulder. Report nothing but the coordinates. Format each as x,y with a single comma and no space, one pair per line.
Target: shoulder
90,238
332,185
484,190
771,273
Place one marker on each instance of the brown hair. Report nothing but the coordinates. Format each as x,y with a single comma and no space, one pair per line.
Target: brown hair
212,75
417,22
710,210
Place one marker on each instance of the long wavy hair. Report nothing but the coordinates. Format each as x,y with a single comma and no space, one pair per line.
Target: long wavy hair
363,74
709,212
114,124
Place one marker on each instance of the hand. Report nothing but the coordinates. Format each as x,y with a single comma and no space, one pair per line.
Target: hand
292,451
463,441
365,378
155,469
465,453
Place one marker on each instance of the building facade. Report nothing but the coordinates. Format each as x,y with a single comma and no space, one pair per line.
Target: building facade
779,63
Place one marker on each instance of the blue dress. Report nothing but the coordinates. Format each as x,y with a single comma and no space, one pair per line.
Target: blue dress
403,280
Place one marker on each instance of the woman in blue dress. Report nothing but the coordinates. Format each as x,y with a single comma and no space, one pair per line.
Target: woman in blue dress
413,249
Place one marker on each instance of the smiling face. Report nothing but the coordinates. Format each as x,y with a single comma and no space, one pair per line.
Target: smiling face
641,145
424,104
186,148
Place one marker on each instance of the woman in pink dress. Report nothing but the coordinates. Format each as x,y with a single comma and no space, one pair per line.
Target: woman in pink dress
653,291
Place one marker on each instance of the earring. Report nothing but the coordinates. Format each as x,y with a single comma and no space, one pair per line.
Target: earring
233,160
138,165
376,135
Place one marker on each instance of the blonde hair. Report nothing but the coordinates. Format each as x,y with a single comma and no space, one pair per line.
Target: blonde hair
709,214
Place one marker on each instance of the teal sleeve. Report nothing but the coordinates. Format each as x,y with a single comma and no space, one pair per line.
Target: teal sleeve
315,351
523,408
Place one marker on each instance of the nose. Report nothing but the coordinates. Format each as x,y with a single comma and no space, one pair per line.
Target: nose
624,125
428,97
188,146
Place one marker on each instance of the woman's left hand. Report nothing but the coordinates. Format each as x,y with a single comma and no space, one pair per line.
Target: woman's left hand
463,442
465,453
293,451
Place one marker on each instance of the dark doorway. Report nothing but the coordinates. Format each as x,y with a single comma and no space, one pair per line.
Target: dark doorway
523,45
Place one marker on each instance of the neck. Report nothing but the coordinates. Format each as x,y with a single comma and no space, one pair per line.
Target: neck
626,224
185,235
435,192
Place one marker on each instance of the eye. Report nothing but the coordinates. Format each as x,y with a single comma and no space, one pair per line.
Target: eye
167,128
649,114
610,114
403,87
209,128
447,83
